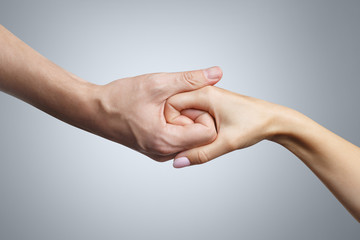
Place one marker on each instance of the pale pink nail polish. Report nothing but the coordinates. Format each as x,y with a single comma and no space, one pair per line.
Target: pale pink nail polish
181,162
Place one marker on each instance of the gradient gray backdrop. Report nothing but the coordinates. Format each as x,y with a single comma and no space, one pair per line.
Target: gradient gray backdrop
59,182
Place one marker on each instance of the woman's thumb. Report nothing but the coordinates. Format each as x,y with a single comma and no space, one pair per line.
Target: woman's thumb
201,154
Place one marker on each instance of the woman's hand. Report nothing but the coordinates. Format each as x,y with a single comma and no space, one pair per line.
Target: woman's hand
241,121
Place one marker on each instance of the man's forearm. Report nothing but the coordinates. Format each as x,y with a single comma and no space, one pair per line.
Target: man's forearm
128,111
27,75
333,159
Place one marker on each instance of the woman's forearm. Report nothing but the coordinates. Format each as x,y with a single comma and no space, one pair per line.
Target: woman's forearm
334,160
243,121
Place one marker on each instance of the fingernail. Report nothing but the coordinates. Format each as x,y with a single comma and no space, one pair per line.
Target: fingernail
213,73
181,162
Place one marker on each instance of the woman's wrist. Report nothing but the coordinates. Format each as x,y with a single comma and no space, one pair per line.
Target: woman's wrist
286,125
299,134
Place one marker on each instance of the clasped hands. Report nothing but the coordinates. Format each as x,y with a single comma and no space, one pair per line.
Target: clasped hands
179,115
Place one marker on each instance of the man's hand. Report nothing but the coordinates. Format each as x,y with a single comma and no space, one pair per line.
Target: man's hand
131,112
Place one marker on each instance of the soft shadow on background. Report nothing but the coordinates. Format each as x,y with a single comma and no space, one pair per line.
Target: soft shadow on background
59,182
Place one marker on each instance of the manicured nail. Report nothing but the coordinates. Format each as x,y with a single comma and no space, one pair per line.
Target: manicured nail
213,73
181,162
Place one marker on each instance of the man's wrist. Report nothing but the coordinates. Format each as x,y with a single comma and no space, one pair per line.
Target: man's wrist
101,113
81,101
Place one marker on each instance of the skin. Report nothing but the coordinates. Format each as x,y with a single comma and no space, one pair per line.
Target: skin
128,111
156,113
243,121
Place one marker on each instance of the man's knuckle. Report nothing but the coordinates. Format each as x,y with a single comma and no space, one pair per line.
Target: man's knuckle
155,79
155,84
163,150
189,77
160,148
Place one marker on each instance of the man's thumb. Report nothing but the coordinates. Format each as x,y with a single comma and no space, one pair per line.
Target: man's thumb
192,80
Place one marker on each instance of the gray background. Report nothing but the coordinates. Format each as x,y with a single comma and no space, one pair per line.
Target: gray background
59,182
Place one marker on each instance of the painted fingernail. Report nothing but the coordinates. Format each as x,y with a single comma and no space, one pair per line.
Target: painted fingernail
181,162
213,73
